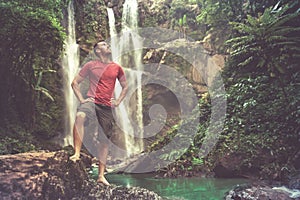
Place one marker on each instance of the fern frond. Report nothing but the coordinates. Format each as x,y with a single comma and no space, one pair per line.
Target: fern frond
283,19
246,62
252,21
283,30
295,49
45,92
241,44
245,51
277,38
279,68
243,28
261,63
241,41
286,43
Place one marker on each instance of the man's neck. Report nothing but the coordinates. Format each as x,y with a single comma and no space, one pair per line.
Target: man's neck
105,59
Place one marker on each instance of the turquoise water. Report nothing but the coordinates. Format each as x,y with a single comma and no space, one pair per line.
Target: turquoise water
179,188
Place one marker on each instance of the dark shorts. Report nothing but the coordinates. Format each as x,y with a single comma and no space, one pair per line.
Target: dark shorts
106,119
100,117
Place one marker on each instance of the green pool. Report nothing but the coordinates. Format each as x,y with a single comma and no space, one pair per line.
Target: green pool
179,188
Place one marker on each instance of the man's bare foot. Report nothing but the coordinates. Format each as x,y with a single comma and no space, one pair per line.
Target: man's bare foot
74,158
103,180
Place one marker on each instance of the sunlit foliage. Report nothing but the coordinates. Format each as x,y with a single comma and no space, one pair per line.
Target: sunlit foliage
267,42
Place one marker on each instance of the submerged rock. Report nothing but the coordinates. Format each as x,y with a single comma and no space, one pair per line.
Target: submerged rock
51,175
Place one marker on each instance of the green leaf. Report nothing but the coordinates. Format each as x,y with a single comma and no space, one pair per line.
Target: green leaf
45,92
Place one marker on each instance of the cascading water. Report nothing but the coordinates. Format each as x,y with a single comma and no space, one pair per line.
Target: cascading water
129,43
113,34
70,65
130,38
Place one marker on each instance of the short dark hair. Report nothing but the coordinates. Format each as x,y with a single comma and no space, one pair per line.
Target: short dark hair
95,45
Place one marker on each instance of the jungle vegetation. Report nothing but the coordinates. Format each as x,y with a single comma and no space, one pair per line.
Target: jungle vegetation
261,41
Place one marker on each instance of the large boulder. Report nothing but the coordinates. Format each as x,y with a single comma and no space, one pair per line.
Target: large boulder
51,175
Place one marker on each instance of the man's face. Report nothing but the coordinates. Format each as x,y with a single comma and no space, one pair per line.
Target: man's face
103,48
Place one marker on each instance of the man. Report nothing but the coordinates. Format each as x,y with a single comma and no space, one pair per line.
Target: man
102,74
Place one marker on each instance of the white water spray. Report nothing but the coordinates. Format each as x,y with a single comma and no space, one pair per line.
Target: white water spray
129,41
113,34
70,65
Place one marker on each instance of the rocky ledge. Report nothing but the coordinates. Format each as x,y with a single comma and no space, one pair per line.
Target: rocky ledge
262,192
51,175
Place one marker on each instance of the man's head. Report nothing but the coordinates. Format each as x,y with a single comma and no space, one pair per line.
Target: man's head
102,48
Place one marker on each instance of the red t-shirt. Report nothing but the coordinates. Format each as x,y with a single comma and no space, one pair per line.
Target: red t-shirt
102,78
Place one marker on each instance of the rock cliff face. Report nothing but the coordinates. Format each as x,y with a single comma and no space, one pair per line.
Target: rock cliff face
189,58
92,24
50,175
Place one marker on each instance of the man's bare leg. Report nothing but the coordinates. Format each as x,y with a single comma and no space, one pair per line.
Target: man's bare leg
78,132
103,151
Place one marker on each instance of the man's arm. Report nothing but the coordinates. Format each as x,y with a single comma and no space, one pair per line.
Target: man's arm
75,86
124,86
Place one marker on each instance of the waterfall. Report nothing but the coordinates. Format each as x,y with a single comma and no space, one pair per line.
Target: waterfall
70,65
113,34
128,41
